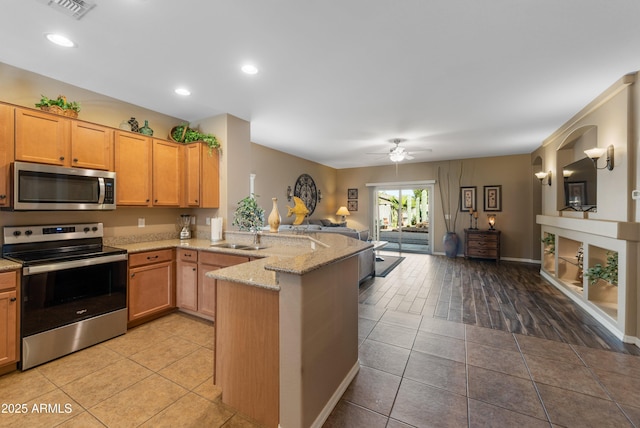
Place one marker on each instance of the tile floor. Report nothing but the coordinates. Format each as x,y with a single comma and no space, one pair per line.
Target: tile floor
156,375
416,370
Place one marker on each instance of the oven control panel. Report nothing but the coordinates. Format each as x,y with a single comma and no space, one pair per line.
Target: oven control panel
43,233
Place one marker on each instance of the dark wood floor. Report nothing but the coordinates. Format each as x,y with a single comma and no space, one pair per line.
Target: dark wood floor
510,297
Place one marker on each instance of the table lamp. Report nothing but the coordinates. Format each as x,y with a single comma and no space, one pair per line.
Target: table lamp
344,212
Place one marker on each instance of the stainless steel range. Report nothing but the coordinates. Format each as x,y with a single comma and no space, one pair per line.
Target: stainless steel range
73,288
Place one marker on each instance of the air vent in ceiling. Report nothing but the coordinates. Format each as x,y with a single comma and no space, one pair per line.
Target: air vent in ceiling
74,8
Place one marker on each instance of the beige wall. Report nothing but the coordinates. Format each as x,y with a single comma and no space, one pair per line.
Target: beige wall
512,172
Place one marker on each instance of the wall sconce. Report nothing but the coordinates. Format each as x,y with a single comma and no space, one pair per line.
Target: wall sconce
319,196
492,221
544,175
289,193
597,152
344,212
566,173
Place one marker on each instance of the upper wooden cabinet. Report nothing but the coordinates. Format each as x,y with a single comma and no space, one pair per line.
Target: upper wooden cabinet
133,169
41,137
168,172
91,146
6,152
57,140
202,176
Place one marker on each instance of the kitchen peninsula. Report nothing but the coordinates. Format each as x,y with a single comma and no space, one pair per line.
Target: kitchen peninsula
286,344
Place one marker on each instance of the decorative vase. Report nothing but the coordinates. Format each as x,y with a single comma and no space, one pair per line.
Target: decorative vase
125,126
134,124
450,241
145,130
274,217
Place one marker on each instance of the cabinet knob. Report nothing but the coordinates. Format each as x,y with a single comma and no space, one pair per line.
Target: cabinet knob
3,196
132,275
61,158
194,269
147,200
75,159
155,200
152,257
13,299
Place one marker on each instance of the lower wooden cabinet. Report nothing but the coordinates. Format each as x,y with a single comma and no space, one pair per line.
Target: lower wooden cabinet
151,284
195,291
9,319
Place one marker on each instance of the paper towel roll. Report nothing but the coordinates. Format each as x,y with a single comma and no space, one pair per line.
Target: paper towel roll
216,229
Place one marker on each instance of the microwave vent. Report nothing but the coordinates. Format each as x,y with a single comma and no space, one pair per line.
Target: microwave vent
73,8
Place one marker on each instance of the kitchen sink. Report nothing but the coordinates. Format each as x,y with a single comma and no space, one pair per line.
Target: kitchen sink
230,245
252,247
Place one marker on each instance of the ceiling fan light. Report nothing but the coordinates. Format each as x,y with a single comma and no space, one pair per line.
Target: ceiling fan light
396,157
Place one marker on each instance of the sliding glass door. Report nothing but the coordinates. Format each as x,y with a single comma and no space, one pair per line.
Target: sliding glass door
403,217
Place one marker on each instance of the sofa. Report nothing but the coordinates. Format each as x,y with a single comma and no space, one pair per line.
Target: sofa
325,226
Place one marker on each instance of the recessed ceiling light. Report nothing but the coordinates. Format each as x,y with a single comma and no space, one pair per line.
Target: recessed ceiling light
60,40
250,69
182,91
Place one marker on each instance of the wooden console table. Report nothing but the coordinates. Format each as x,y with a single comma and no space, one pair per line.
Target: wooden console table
483,244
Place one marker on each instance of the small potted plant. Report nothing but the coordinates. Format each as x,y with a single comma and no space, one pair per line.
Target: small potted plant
59,106
249,215
608,272
183,134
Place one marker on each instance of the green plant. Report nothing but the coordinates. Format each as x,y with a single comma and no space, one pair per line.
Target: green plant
608,272
249,215
190,135
549,241
61,102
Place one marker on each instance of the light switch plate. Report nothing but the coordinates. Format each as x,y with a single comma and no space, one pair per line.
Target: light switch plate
141,222
635,194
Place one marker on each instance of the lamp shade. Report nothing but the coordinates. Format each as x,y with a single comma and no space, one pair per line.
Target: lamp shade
541,175
343,211
595,153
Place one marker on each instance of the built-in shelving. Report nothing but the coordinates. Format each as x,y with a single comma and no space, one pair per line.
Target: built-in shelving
578,247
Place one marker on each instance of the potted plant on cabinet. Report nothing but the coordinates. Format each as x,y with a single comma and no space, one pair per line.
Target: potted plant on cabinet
184,134
59,106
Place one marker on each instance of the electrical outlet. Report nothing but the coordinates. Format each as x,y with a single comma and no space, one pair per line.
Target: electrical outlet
635,194
207,221
193,219
141,222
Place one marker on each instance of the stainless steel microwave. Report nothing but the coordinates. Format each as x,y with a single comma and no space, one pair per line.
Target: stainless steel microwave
49,187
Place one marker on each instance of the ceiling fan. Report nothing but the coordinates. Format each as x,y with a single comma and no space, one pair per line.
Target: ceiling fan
398,153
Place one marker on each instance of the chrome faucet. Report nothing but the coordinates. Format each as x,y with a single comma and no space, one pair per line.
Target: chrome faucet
256,237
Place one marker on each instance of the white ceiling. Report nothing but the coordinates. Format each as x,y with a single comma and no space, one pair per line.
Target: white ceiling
339,78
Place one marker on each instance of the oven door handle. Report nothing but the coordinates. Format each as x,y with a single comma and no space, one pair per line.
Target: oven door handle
52,267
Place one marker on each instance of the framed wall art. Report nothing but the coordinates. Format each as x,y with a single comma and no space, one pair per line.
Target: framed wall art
352,194
352,206
493,198
468,198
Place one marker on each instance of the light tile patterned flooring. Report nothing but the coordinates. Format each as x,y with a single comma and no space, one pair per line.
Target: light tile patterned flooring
156,375
416,370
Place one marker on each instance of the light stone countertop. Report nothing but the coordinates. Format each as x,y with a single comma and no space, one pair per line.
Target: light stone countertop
8,265
288,253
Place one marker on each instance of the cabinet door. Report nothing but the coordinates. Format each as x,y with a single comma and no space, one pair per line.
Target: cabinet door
187,286
150,290
209,178
6,152
8,331
91,146
168,168
133,169
192,174
41,137
206,291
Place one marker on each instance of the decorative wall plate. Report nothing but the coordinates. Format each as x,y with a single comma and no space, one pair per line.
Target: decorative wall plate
305,189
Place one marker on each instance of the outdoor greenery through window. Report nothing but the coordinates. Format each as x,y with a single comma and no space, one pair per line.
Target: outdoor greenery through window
403,218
